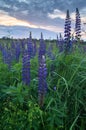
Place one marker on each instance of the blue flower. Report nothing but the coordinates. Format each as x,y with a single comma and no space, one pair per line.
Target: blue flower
26,68
30,46
78,24
67,32
42,47
42,87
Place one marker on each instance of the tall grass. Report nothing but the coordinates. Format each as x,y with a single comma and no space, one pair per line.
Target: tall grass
64,106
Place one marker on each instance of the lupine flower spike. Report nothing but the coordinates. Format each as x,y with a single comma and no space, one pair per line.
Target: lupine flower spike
30,46
78,25
42,87
60,43
42,47
67,32
26,68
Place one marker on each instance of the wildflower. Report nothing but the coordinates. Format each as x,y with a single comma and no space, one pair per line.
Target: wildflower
30,46
26,68
7,57
78,25
17,51
67,32
60,43
54,88
49,53
42,87
34,48
42,47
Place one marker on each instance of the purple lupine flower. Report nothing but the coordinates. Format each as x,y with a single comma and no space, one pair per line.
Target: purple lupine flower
54,88
13,49
42,87
78,25
49,53
42,47
26,68
7,57
84,48
30,46
34,48
57,41
17,52
23,43
1,47
67,32
60,43
13,44
4,55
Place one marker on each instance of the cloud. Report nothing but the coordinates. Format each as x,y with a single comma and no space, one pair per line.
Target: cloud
57,14
23,32
40,10
48,14
7,20
25,1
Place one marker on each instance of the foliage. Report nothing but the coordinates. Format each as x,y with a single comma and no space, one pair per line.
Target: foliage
64,107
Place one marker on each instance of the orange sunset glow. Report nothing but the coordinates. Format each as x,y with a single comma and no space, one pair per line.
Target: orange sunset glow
7,20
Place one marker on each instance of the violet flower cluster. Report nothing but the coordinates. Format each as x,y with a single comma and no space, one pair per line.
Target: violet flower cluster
17,52
30,46
60,43
42,74
42,47
78,24
26,68
67,33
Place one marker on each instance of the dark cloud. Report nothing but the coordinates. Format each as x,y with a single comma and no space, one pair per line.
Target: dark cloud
36,11
40,8
46,5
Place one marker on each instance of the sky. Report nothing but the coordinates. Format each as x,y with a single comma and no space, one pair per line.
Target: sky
18,17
